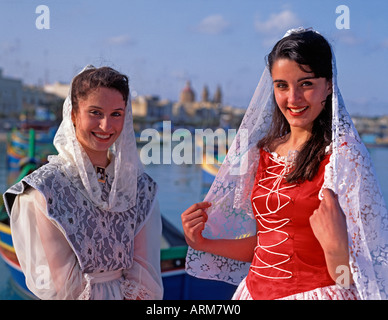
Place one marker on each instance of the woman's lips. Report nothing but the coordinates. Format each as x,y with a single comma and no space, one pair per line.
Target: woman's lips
102,136
297,111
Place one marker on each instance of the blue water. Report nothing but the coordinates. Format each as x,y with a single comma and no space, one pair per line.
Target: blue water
179,187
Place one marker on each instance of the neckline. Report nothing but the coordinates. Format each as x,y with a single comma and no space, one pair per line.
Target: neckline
290,158
328,151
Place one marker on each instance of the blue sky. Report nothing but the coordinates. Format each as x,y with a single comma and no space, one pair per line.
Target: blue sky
161,44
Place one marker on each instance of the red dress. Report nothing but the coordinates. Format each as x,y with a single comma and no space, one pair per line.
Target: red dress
288,258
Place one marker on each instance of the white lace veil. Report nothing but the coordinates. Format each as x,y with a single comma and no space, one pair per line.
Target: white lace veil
76,164
349,173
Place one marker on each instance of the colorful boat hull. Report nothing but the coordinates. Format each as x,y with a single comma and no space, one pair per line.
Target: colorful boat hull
18,146
7,253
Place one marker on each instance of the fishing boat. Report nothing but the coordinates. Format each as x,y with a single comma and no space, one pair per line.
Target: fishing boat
18,145
7,253
27,148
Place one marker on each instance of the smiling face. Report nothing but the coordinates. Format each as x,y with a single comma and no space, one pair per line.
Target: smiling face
98,122
299,94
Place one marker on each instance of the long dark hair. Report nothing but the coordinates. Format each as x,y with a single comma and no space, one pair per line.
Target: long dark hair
308,49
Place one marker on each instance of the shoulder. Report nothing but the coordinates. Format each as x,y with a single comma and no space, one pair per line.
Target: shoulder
145,198
32,198
48,169
146,185
144,177
41,179
44,177
28,190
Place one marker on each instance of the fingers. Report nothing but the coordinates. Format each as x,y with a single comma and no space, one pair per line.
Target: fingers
328,195
195,211
197,228
200,205
328,223
330,200
193,222
195,215
195,219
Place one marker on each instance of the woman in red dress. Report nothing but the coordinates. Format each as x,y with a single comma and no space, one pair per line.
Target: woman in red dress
300,249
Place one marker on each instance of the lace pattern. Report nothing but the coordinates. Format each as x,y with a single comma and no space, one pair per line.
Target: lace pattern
102,240
128,289
334,292
99,221
230,215
133,291
78,168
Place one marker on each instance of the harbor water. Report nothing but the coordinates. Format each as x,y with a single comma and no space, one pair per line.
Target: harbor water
179,187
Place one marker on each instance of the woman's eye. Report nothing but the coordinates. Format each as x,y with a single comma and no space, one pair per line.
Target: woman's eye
116,114
95,112
307,84
281,85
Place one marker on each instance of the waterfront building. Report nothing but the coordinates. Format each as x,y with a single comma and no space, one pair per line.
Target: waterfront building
373,130
147,110
11,96
57,88
205,113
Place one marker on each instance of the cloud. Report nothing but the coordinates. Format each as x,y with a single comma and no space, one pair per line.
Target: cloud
348,38
120,40
214,25
278,23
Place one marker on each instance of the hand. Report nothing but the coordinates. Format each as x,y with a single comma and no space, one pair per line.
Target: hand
193,222
328,223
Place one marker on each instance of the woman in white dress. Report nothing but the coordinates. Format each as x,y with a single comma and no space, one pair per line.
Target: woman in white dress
87,224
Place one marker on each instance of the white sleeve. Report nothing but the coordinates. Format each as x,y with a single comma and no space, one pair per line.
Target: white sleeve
46,258
143,281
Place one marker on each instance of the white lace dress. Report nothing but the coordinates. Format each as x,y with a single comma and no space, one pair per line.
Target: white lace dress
53,270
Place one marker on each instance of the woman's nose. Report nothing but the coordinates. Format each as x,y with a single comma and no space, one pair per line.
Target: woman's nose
105,124
294,96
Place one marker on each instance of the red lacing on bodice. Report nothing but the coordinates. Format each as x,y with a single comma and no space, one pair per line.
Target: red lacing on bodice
273,225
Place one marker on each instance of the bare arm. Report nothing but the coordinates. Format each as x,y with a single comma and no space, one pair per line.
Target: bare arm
193,222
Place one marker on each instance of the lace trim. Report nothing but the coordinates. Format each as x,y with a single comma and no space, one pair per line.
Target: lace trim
87,292
130,289
134,291
334,292
278,224
292,154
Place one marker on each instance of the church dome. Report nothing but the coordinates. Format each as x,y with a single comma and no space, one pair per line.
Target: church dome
187,94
